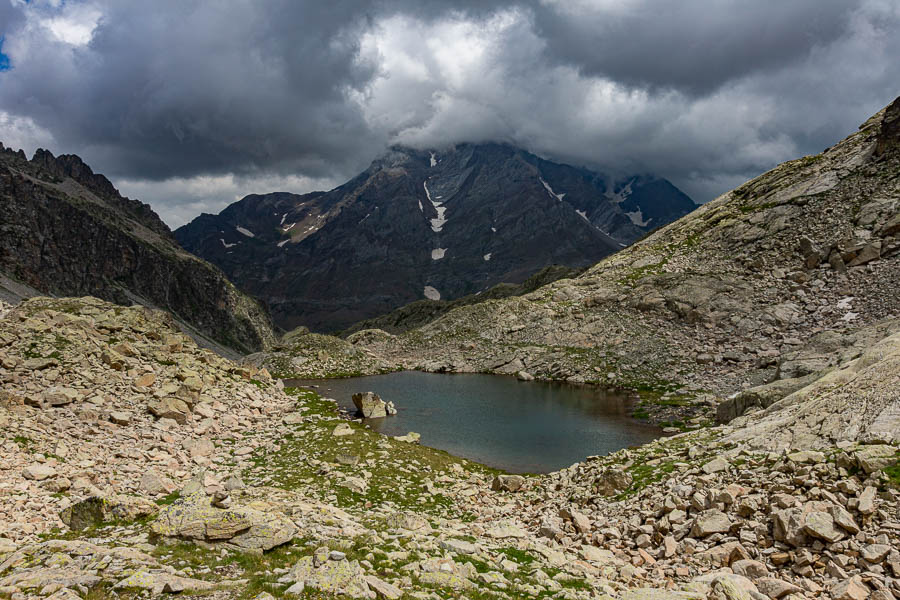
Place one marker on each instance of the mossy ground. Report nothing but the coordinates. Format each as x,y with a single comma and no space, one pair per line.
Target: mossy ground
398,472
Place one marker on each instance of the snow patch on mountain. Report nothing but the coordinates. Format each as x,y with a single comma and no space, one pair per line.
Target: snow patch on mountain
487,256
228,245
550,191
638,218
620,196
433,160
438,253
431,293
246,232
438,223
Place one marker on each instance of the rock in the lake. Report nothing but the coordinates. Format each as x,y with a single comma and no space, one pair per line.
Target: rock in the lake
369,405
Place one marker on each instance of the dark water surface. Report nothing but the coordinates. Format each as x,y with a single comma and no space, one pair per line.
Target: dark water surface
499,421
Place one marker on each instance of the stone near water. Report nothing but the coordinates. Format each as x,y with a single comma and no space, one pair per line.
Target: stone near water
612,481
293,418
342,429
507,483
369,405
411,438
347,459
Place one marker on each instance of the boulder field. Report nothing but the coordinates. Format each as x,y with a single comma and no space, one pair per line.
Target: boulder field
238,488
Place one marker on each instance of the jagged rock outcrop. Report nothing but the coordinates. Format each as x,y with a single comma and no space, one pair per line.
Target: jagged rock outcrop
424,225
66,231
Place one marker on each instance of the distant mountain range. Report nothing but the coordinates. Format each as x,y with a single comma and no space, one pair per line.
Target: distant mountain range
425,224
66,231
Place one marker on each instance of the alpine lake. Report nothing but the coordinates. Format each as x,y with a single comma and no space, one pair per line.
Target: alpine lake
517,426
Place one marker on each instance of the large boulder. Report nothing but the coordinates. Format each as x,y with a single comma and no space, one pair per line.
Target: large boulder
332,574
507,483
369,405
612,481
170,408
246,528
96,510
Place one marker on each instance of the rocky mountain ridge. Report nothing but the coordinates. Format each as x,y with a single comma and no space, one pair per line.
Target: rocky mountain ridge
67,231
424,225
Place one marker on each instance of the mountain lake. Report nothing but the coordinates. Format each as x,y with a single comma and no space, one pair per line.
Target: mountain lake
517,426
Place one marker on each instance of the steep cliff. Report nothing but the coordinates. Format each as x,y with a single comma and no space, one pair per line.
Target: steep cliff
65,230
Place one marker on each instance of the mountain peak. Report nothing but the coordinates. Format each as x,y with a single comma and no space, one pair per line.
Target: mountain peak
425,223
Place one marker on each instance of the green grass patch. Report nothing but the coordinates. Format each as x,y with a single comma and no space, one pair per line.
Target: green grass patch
397,472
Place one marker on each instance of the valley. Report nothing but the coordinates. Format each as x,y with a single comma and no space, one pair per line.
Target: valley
136,463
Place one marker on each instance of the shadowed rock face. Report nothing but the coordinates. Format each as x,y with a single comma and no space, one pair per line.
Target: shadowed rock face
421,224
65,230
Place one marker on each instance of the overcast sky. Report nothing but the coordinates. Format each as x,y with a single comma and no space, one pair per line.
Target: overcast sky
190,105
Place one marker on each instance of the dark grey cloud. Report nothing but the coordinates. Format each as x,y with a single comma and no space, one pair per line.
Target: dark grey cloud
692,45
189,104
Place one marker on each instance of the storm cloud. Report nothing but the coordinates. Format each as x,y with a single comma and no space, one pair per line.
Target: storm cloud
189,105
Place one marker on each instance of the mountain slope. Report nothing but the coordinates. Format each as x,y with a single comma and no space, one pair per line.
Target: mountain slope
775,281
67,231
421,224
